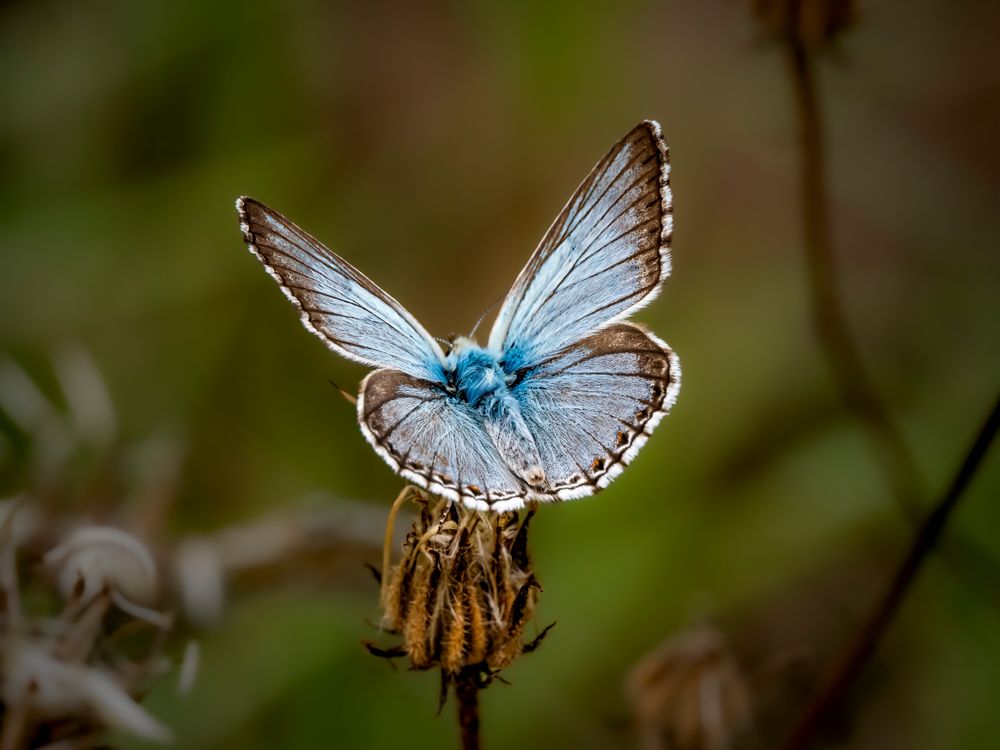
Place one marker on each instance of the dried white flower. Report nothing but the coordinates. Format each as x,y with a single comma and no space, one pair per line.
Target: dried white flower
48,688
95,558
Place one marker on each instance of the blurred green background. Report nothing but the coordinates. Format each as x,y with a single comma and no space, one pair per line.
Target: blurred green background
431,146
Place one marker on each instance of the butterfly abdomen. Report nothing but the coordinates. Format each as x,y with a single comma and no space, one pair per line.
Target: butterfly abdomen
512,438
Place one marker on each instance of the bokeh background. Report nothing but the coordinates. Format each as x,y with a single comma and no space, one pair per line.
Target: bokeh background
431,145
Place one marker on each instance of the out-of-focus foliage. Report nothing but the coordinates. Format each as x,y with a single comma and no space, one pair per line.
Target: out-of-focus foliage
431,147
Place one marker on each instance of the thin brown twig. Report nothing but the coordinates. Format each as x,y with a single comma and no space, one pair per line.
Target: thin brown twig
385,576
924,541
860,394
843,357
467,697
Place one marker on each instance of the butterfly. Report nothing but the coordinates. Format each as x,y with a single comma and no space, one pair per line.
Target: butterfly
564,393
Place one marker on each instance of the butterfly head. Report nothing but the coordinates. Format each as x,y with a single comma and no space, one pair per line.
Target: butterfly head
461,344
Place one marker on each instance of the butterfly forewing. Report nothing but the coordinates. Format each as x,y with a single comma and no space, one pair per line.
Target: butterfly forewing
605,255
592,406
352,315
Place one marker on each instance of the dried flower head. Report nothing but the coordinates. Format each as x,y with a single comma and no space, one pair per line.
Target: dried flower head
808,22
463,592
51,697
95,558
70,671
689,694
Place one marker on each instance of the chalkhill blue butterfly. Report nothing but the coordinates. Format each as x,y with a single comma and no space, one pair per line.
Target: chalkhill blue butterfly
565,392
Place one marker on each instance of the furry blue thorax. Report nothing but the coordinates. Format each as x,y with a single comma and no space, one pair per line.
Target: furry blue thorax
476,375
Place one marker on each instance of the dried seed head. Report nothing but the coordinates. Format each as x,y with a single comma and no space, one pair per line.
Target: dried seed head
809,22
689,694
73,674
463,591
95,558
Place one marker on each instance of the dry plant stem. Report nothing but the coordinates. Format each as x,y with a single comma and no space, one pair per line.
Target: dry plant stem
467,698
10,595
843,357
842,354
401,498
12,730
923,544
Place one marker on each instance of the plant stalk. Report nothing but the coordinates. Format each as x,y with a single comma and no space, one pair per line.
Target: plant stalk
829,319
467,697
924,541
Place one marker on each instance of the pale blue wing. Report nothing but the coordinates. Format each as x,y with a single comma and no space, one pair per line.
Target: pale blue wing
342,306
592,406
437,442
605,255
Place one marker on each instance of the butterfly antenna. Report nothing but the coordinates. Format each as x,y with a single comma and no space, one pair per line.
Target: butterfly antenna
447,344
483,316
350,397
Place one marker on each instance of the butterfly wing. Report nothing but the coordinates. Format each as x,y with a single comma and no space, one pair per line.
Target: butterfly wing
435,441
342,306
592,406
605,255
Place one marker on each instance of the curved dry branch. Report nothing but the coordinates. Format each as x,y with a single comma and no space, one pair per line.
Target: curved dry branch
924,541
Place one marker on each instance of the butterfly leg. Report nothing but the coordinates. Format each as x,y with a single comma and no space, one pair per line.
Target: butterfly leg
445,513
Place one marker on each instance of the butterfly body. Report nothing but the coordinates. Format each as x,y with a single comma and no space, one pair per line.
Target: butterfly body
476,378
566,391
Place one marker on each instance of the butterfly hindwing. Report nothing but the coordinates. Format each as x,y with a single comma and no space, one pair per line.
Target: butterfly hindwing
342,306
592,406
605,255
590,409
435,441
